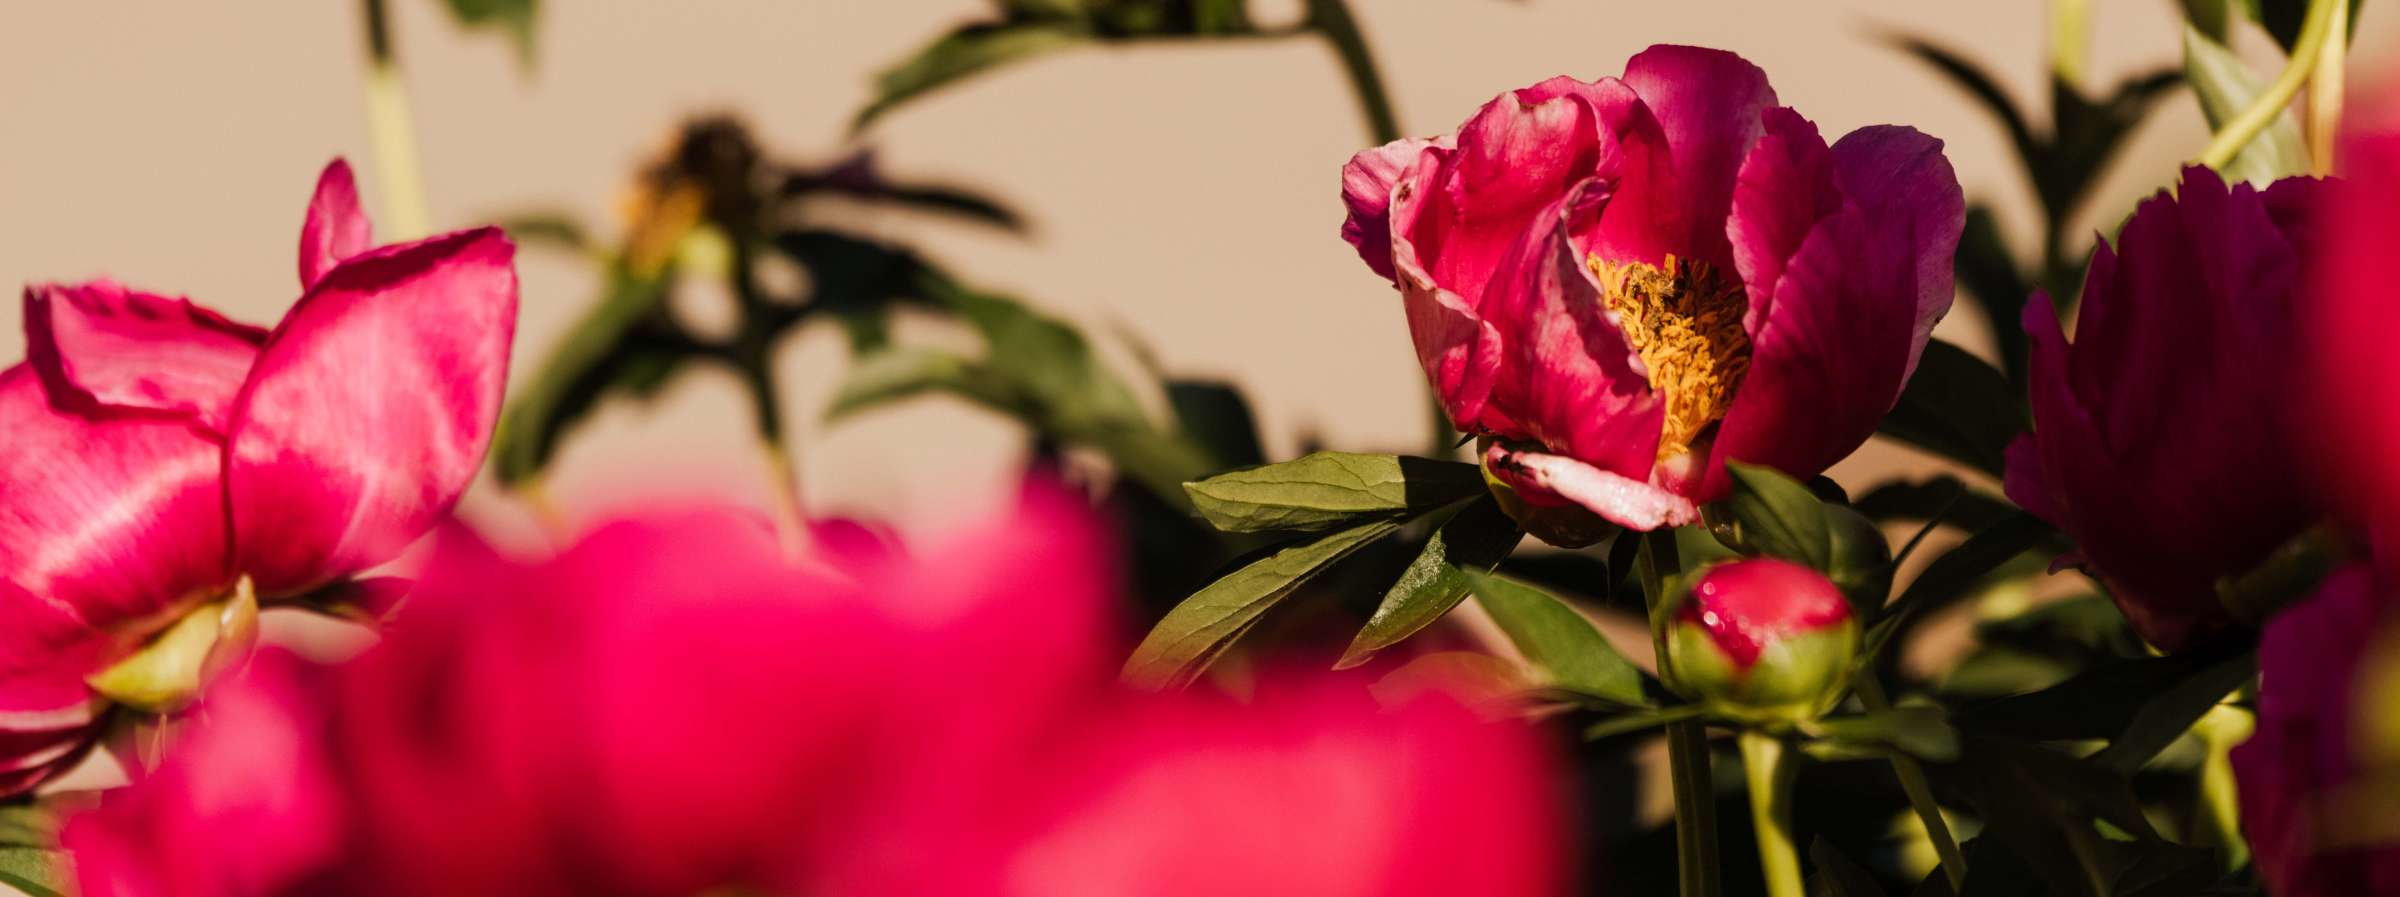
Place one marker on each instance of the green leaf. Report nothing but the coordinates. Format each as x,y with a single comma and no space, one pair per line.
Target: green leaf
2140,705
860,178
2044,807
1836,875
1959,407
2214,18
2087,134
1564,649
25,822
1983,88
1779,516
1329,489
1215,417
617,346
517,17
964,53
1472,542
1950,576
1923,732
901,373
1988,273
1196,632
37,871
557,229
1939,497
2226,87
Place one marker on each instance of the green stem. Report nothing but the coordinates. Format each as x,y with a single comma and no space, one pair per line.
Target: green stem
1332,19
2244,127
2325,91
2070,39
1771,778
2219,731
1920,793
392,133
1687,740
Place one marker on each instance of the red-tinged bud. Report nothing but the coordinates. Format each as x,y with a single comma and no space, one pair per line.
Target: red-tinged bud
1764,636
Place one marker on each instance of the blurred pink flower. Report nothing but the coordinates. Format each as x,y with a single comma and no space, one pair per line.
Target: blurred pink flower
2355,375
671,707
1624,284
158,452
2310,801
2162,436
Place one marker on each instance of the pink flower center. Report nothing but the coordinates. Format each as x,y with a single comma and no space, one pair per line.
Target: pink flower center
1685,321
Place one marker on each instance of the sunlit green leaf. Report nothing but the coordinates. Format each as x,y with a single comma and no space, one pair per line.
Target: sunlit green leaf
1565,650
1327,489
1196,632
1923,732
2226,87
966,52
1471,542
1780,517
1958,407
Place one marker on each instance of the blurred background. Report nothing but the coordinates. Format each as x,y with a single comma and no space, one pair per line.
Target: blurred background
1180,197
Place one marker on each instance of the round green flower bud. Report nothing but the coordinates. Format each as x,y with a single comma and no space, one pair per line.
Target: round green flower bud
1762,637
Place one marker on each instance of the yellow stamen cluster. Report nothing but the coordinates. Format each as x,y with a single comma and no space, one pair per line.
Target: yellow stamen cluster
1685,321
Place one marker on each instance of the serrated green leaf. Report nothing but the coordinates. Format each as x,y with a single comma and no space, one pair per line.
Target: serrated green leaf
2226,87
1329,489
964,53
1564,649
1196,632
1923,732
1780,517
1471,542
1959,407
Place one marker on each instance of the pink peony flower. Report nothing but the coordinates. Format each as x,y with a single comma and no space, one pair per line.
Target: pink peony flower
671,707
2314,804
159,453
2162,436
2355,391
1623,284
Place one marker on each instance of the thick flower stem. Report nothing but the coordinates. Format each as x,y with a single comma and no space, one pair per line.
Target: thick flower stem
392,132
1920,793
1771,776
2325,91
1687,740
2244,127
2223,727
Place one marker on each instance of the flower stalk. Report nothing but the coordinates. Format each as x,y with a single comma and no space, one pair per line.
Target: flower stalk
392,131
1920,792
2306,51
2325,88
1696,862
1771,774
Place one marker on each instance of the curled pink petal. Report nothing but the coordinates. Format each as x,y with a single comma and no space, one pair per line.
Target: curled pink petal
1785,187
101,346
1709,104
370,408
336,228
1630,503
1367,183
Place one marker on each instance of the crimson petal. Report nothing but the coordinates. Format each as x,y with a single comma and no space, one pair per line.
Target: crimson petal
101,346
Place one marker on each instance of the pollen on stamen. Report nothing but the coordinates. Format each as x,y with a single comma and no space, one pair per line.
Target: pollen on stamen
1685,321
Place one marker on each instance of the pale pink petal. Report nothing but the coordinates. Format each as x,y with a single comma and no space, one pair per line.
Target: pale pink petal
1626,502
336,228
101,346
370,408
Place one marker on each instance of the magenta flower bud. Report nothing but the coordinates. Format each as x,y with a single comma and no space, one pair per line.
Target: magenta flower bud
1762,635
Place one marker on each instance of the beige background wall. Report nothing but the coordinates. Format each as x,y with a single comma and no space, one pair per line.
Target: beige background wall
1185,193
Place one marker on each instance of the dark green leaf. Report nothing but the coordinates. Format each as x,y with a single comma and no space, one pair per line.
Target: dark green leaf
1950,576
1780,517
897,374
2172,712
621,344
969,51
1959,407
2044,806
2088,134
1639,719
1988,273
2140,705
1217,418
1329,489
1564,649
1472,542
2226,87
37,871
1943,497
1986,91
2214,19
515,16
1837,876
860,178
553,228
1923,732
1196,632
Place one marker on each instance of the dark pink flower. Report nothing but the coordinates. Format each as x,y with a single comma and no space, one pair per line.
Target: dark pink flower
159,452
2162,436
2354,391
2312,801
673,707
1624,284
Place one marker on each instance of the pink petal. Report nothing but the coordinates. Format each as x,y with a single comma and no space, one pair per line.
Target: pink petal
370,408
99,345
1367,184
1632,504
114,525
1904,174
1569,379
1786,186
1709,103
2025,483
2352,391
336,228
